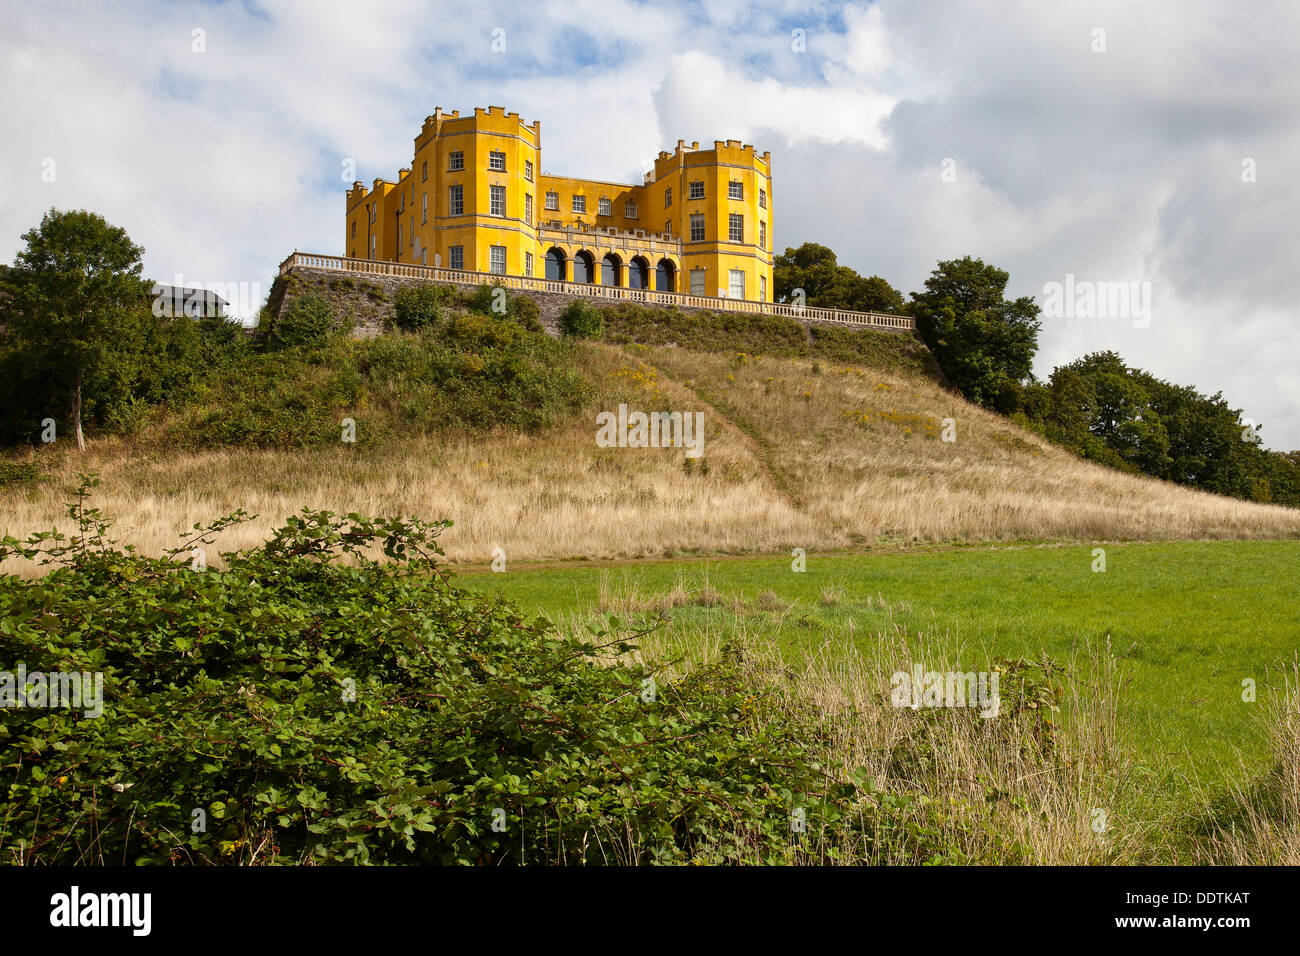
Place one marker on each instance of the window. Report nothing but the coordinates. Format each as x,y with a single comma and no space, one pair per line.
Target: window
629,209
668,197
737,286
762,288
399,238
497,200
424,171
762,199
372,209
354,228
528,263
735,190
497,259
528,208
697,190
424,257
497,161
552,200
762,234
456,161
528,170
606,206
412,232
457,201
668,227
697,228
697,282
372,246
736,227
424,207
457,257
579,203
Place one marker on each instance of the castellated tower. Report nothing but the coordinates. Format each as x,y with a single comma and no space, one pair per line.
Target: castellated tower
475,199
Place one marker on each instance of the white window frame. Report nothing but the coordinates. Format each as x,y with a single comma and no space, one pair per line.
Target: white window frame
495,252
698,277
456,199
732,229
528,263
496,200
493,160
629,209
553,199
456,252
697,219
456,161
735,277
528,208
528,170
424,208
696,189
579,204
604,206
736,190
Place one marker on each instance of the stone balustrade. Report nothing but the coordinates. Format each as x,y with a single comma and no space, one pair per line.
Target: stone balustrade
402,270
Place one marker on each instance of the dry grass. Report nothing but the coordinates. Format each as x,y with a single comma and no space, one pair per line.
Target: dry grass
979,788
841,459
1260,824
862,453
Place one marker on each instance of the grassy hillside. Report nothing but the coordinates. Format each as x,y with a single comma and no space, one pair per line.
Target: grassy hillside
494,427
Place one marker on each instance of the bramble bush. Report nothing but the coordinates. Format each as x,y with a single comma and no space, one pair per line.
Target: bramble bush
331,697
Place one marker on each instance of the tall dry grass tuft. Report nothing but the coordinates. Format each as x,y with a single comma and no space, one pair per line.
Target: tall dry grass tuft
1259,823
955,785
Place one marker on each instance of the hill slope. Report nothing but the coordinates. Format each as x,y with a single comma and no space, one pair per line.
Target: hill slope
802,449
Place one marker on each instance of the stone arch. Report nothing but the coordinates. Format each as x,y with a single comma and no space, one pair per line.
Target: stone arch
665,276
584,266
556,264
638,273
611,270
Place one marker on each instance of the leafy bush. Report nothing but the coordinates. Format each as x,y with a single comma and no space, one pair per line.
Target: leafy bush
297,707
307,322
475,373
418,307
582,320
17,472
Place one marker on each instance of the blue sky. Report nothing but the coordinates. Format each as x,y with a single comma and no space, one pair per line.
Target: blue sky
1118,164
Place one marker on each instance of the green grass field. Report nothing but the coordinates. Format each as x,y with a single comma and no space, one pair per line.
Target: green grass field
1186,621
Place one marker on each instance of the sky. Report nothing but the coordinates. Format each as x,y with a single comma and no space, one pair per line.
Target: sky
1134,167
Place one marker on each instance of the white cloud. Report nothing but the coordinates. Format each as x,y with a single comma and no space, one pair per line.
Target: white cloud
1114,166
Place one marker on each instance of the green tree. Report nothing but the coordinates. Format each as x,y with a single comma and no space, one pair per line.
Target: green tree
72,290
984,343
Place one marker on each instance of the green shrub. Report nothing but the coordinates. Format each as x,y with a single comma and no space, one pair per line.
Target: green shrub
296,707
528,313
582,320
307,322
418,307
17,472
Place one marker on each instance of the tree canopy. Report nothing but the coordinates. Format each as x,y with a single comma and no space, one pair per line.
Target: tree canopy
984,343
828,285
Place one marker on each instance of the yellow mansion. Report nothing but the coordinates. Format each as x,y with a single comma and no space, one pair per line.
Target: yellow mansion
475,199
